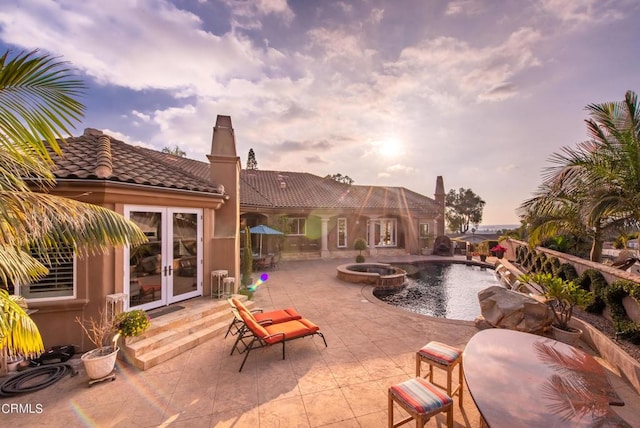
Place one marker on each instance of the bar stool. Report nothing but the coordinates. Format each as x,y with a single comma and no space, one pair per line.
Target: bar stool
228,286
421,400
445,357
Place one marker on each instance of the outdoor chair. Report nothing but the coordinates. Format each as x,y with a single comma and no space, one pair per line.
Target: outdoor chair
274,261
267,335
270,317
263,263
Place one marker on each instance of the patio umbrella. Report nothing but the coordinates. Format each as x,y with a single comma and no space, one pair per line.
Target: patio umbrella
262,229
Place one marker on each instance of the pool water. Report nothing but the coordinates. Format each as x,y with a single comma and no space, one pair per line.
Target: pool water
443,290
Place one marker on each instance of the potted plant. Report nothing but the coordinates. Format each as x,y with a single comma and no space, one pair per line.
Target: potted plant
483,251
99,362
360,245
498,250
131,323
562,296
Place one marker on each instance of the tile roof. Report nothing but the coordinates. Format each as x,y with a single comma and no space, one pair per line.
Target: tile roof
96,156
92,156
304,190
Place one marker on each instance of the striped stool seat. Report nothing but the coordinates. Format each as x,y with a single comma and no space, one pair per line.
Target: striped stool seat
421,400
444,357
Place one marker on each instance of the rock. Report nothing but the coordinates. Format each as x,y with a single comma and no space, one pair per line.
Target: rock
508,309
442,246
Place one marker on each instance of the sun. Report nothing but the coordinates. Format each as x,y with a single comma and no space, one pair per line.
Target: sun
389,148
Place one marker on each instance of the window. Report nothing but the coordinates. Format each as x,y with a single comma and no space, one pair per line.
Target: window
385,230
59,283
297,226
342,232
424,230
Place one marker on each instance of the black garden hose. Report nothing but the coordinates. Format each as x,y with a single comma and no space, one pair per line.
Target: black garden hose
35,379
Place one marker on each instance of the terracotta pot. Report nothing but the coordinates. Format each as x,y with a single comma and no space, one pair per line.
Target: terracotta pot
568,337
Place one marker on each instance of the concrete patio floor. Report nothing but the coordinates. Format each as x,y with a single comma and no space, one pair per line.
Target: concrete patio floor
370,347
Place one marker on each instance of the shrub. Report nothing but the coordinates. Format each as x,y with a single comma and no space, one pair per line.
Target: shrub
132,323
567,272
550,265
562,296
538,262
592,280
247,259
360,244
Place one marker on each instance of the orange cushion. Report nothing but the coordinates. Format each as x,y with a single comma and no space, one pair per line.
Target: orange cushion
238,304
278,316
291,329
252,324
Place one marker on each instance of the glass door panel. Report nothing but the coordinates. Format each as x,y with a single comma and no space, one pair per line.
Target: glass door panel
185,254
146,280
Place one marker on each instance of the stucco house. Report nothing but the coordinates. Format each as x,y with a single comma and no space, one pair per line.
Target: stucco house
192,213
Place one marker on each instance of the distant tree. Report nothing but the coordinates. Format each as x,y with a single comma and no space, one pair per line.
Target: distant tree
252,163
464,208
176,151
341,178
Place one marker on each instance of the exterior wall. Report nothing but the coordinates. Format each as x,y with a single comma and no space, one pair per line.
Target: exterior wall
99,275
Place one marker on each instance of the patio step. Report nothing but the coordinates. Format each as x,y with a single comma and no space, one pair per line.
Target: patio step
174,333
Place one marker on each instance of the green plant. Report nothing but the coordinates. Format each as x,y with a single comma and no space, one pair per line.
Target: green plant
247,259
246,292
483,248
593,280
563,296
360,245
567,272
132,323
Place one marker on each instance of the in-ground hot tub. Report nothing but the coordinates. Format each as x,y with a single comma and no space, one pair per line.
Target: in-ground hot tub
381,275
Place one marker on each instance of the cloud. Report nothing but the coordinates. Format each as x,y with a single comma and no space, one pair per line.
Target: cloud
315,159
447,71
464,7
247,15
586,11
136,45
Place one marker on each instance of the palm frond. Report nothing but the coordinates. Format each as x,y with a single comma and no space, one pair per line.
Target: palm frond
41,221
38,104
18,332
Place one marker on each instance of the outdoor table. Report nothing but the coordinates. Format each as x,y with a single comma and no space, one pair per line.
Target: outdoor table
520,379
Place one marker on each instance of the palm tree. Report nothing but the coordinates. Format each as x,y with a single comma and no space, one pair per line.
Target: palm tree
38,104
603,173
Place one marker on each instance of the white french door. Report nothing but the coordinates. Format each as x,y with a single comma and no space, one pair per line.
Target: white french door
168,268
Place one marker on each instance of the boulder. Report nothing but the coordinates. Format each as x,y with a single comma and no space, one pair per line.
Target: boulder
442,246
508,309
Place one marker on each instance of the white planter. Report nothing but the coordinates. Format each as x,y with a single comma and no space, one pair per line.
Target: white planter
100,362
13,362
568,337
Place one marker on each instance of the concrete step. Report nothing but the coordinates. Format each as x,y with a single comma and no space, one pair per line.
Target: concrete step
172,334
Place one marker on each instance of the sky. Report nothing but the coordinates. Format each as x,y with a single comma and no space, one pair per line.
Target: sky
390,93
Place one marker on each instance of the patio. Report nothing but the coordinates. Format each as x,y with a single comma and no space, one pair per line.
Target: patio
371,346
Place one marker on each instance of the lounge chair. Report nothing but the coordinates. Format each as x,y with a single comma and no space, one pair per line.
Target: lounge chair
267,335
270,317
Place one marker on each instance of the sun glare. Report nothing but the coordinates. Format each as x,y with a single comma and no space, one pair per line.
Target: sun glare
389,148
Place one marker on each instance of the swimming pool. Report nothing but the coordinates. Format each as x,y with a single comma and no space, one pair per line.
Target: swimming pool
443,290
